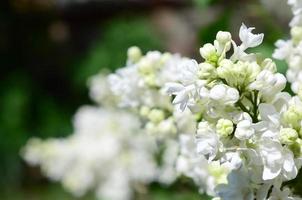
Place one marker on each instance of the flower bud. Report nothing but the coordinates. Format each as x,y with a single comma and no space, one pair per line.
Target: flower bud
296,33
134,54
156,115
288,136
218,172
164,58
167,127
224,68
295,61
224,94
224,127
151,128
206,71
144,111
208,52
145,66
293,116
268,64
223,37
150,80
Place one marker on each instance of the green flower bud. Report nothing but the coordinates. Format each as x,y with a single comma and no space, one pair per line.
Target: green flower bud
151,128
145,67
134,54
296,33
288,136
296,147
293,116
218,172
156,115
150,80
208,52
224,127
269,65
206,71
248,72
238,75
164,58
224,69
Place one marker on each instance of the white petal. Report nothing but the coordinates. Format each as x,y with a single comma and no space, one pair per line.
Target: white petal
218,92
269,174
248,38
243,33
173,88
180,97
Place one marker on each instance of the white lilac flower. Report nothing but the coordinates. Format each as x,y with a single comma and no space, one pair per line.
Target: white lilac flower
105,152
244,130
277,160
268,83
100,92
248,133
290,50
249,39
190,164
207,140
237,188
141,88
297,11
224,94
247,124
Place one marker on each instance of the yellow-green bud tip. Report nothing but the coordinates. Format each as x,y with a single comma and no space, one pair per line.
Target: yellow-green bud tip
224,127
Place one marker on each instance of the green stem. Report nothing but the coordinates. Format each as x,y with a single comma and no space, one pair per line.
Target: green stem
239,103
255,107
224,81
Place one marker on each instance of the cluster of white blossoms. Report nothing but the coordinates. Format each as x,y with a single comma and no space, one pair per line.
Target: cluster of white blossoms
106,152
246,123
132,138
291,50
139,87
225,123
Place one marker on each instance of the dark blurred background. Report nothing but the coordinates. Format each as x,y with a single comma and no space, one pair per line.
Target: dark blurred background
48,49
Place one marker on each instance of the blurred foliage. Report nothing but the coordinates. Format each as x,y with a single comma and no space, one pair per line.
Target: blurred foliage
208,34
203,3
41,192
56,192
110,51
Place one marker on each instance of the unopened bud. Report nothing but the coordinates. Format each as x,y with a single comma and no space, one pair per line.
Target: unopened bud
208,52
288,136
134,54
296,33
156,115
268,64
224,127
223,37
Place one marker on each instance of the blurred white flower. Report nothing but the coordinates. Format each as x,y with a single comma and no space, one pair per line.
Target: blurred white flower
104,152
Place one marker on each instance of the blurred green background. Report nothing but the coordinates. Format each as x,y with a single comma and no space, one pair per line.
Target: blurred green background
48,49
